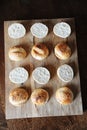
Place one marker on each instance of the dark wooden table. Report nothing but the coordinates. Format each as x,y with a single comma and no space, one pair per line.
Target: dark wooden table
31,9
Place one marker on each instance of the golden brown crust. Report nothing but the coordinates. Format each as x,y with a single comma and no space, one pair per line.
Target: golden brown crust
39,51
17,53
62,51
18,96
64,95
39,96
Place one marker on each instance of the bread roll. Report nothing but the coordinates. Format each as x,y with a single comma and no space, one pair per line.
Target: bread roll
18,96
18,75
16,30
62,30
65,73
64,95
41,75
39,51
17,53
39,96
39,30
62,51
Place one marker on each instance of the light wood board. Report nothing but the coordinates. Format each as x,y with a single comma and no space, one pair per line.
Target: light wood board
52,108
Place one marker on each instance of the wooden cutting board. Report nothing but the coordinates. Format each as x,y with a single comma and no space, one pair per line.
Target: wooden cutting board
52,108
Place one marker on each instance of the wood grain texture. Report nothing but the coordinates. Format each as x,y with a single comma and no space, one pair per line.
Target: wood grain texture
51,63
